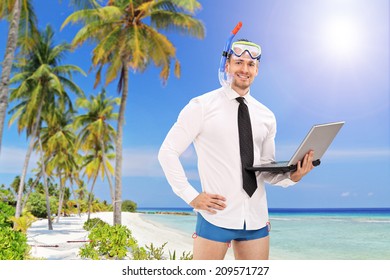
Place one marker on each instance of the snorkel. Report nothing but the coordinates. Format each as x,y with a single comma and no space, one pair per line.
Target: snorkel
223,79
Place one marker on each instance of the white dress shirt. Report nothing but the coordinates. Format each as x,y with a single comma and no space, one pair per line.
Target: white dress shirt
210,122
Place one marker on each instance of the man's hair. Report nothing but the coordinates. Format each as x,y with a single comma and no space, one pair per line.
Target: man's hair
244,40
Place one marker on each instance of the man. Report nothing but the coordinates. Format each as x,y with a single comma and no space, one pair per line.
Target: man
227,213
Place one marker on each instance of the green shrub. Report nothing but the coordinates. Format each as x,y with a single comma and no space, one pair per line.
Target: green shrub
6,195
184,256
155,253
92,223
152,252
108,242
13,244
6,212
129,206
36,205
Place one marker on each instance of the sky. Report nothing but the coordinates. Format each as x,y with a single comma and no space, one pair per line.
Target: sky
322,61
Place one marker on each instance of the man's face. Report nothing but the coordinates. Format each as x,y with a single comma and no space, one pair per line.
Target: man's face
243,70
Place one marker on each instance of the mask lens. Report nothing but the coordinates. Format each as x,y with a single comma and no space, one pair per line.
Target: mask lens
254,52
239,48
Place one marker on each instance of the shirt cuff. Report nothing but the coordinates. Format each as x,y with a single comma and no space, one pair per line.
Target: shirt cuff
189,194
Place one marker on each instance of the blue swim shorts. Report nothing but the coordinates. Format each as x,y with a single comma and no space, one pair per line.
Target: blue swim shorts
209,231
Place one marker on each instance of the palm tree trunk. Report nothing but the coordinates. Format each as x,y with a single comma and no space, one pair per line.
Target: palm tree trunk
46,188
75,197
90,195
118,146
33,136
109,180
60,198
107,173
80,193
7,63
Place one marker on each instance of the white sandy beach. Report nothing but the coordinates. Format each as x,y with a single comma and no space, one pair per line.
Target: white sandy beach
67,236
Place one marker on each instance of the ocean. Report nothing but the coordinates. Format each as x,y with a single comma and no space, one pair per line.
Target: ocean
309,234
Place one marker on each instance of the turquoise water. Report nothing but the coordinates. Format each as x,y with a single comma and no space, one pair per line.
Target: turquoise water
323,234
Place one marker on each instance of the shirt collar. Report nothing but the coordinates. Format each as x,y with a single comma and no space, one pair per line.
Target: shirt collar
232,94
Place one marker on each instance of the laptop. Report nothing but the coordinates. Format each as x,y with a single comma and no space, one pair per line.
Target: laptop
318,139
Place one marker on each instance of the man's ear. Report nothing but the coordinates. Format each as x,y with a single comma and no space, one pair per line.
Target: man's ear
227,67
257,68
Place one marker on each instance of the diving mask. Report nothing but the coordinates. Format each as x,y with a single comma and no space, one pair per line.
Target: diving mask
240,47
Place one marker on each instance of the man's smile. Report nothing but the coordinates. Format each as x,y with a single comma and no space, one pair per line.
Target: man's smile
242,76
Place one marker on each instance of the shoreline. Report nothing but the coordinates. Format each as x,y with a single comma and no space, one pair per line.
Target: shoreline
166,213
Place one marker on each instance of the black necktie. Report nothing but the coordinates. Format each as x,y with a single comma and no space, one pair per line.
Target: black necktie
246,147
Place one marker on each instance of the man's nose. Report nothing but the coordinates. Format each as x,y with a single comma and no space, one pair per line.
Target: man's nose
244,67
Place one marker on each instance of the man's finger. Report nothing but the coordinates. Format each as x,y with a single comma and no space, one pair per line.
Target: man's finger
211,210
218,206
217,196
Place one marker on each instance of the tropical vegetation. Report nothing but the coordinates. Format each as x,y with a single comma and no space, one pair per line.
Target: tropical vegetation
78,138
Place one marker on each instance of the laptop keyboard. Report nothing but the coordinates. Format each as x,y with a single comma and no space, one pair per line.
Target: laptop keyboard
281,163
276,164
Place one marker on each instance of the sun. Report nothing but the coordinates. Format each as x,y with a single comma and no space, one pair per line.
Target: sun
341,37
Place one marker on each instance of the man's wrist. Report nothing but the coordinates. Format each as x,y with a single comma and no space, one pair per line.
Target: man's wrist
293,177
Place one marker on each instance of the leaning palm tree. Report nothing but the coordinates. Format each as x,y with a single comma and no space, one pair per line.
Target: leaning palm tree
41,83
14,11
95,130
127,36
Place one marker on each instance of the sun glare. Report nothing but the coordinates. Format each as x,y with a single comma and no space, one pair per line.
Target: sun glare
341,37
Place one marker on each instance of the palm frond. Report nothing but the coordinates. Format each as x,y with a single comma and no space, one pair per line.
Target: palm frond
190,6
178,22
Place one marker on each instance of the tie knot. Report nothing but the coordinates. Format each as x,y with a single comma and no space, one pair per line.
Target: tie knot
240,100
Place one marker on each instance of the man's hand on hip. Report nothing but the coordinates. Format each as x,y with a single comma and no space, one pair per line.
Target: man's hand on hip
209,202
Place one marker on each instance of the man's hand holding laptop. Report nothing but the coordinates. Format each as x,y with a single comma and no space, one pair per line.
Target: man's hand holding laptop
303,167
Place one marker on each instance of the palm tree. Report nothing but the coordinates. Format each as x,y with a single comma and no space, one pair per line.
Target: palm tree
13,10
96,136
58,140
41,83
127,36
74,178
80,193
23,24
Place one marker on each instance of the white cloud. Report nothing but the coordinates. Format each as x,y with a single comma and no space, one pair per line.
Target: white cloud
349,194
